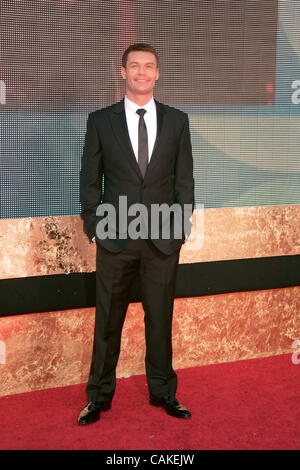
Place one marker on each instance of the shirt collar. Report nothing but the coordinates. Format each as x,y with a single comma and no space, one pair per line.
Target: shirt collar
130,105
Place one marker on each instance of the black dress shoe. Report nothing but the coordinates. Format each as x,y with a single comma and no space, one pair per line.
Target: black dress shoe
91,412
171,405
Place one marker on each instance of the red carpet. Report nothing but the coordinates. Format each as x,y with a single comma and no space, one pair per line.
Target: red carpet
251,404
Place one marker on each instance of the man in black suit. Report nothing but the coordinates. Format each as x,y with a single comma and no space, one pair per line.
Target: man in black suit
140,150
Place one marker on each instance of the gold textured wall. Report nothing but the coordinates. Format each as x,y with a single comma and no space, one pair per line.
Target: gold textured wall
54,349
56,245
51,349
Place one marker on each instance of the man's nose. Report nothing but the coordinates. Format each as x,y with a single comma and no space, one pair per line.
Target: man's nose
142,70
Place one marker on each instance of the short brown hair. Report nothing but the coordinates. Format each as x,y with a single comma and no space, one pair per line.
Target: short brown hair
138,46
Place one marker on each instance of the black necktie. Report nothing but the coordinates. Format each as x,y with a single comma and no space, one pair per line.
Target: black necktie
143,142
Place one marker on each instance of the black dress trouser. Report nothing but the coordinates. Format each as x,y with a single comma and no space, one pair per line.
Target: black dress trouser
114,275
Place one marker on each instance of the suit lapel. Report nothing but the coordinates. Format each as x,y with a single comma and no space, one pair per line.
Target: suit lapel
120,129
160,119
161,128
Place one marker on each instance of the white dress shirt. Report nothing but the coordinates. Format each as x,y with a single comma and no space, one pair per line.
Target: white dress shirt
132,119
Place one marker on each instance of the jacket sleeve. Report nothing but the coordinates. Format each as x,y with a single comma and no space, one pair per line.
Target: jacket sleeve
90,178
183,176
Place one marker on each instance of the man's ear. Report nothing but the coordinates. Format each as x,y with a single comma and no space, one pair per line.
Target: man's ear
123,72
157,74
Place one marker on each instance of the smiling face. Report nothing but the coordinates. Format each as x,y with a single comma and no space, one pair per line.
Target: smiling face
141,73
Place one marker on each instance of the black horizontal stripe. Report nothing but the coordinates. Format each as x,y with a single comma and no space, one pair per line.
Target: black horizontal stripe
62,292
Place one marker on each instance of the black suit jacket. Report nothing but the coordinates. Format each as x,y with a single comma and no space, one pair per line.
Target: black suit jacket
108,151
